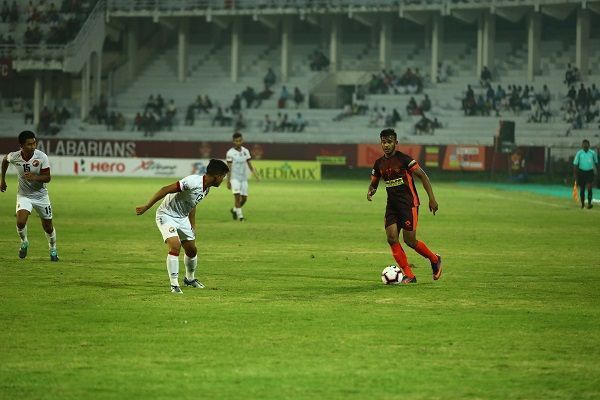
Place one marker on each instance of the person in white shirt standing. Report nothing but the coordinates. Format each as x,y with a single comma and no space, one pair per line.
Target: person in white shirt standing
238,161
33,172
176,219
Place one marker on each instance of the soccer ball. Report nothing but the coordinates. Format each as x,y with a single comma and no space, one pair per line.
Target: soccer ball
391,275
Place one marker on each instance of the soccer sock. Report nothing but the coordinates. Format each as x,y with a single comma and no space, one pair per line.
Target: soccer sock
590,196
190,267
22,233
51,239
173,269
238,212
423,250
582,195
400,257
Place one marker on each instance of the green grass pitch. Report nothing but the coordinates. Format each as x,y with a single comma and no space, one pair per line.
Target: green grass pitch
294,306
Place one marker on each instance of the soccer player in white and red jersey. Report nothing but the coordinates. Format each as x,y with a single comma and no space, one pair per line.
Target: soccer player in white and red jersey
33,172
402,209
176,219
238,160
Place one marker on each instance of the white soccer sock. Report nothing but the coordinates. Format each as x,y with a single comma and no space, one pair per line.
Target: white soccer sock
238,212
22,233
190,267
51,239
173,269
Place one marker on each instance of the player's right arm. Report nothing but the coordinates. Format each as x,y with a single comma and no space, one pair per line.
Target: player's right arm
3,177
372,187
165,190
229,164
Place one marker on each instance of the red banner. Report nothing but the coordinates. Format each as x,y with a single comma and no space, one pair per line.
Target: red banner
6,70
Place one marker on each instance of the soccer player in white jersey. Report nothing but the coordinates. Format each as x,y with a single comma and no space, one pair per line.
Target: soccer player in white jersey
33,172
176,219
238,160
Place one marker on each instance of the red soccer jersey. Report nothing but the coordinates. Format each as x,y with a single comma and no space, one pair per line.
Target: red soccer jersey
396,172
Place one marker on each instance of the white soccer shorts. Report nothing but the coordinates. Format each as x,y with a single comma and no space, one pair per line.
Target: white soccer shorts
239,187
42,206
171,227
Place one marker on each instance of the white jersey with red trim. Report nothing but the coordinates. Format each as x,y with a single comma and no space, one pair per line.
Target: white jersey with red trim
38,162
180,204
239,163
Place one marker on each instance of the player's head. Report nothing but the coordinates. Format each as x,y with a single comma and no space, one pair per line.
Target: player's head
237,139
585,144
217,169
23,136
389,140
27,141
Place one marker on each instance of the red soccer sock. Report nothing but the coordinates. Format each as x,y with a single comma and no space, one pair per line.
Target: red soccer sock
423,250
400,257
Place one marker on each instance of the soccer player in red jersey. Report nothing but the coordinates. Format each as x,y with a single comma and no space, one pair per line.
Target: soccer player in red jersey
401,213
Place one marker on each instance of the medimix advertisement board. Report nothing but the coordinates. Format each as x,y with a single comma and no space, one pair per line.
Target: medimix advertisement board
176,168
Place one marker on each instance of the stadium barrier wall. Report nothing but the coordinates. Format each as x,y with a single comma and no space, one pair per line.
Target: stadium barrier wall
174,168
441,157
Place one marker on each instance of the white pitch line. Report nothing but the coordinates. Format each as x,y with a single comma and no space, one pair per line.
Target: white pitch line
544,203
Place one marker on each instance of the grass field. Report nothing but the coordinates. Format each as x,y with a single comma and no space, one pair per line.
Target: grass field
294,308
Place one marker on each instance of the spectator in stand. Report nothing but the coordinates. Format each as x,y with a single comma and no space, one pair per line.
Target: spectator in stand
594,92
218,118
582,98
424,126
227,118
412,108
64,115
45,120
468,103
264,95
299,123
190,115
485,77
137,122
249,95
283,97
279,123
236,104
14,13
208,104
239,122
159,104
346,112
267,124
5,13
298,97
269,79
425,104
442,72
569,76
171,110
318,61
593,111
545,96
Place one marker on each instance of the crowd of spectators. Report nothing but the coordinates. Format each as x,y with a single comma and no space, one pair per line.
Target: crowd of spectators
581,106
44,21
387,82
318,61
283,123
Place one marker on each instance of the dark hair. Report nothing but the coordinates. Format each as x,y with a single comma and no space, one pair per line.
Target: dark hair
585,141
388,132
23,136
236,135
217,167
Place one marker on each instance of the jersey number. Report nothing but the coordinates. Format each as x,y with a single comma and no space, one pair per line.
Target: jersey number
26,168
48,210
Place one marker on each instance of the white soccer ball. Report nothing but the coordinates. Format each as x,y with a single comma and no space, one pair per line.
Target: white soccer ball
391,275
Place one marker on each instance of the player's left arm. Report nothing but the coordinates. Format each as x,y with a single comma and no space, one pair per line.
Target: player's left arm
3,174
419,173
163,191
253,170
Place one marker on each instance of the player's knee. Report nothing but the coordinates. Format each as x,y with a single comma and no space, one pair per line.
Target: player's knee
392,240
191,253
21,225
410,242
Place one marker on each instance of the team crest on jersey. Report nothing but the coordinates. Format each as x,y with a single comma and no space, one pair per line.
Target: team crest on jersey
171,229
35,163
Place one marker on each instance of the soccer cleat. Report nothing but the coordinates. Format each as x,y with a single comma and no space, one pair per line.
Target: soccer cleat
407,280
193,283
590,206
53,255
242,219
436,268
23,249
176,290
233,214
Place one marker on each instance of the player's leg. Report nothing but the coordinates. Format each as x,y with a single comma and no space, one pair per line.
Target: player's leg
190,260
392,233
51,237
168,229
22,216
243,197
582,182
44,210
590,195
237,209
409,235
23,210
